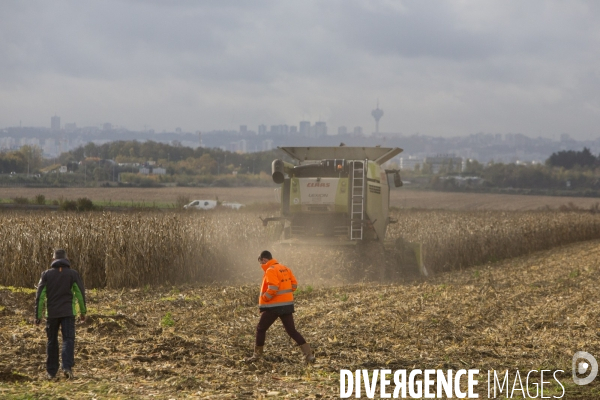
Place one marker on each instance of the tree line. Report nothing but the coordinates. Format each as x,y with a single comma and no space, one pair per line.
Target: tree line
175,158
28,159
563,170
572,171
569,159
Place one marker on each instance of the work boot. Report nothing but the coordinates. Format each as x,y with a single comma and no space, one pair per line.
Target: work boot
308,354
258,352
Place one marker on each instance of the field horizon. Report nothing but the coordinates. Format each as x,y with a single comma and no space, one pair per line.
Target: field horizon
401,198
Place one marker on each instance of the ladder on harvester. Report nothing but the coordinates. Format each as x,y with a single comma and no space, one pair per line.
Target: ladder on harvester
357,205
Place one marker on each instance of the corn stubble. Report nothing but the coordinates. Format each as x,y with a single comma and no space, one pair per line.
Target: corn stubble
116,250
530,312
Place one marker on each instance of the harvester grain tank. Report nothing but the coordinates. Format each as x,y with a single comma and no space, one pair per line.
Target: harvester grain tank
338,196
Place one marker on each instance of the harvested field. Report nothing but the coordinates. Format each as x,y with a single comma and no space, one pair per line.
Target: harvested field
402,198
483,201
530,312
245,195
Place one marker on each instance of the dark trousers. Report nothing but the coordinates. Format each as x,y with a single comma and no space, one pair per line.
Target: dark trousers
67,328
266,320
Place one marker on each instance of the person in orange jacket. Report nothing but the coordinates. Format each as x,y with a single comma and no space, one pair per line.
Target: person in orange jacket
277,301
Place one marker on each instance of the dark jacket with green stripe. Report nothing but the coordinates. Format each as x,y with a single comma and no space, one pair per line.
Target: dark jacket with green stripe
60,288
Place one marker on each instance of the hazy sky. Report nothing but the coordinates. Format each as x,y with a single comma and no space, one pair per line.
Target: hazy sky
439,68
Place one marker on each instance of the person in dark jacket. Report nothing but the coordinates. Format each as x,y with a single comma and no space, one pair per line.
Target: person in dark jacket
60,289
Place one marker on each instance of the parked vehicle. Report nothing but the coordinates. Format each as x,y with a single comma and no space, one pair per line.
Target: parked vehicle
210,204
201,205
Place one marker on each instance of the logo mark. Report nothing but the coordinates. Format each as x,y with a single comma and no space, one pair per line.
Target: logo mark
581,367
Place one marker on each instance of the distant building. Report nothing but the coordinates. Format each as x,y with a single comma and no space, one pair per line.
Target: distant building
280,130
320,129
448,161
49,148
342,130
70,127
243,129
144,171
304,128
358,131
293,130
55,123
267,145
409,163
7,143
262,129
159,171
29,142
241,146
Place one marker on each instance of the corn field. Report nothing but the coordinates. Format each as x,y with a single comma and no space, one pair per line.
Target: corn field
455,239
116,250
126,250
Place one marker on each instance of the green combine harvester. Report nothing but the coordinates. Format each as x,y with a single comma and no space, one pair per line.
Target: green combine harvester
340,196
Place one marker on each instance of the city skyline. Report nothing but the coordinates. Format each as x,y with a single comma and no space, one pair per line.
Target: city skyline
483,147
442,70
304,128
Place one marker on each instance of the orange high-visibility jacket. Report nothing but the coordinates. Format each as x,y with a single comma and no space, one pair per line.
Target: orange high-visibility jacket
278,285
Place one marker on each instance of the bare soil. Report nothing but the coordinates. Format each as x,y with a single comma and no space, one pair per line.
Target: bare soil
526,313
244,195
403,198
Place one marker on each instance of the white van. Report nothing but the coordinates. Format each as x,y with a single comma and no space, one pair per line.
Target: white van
201,205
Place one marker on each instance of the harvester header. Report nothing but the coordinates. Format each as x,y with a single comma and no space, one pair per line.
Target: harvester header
377,154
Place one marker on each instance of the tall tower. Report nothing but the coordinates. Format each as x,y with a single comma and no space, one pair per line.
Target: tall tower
377,114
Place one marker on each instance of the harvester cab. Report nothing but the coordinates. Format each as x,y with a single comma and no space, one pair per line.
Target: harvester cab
337,196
